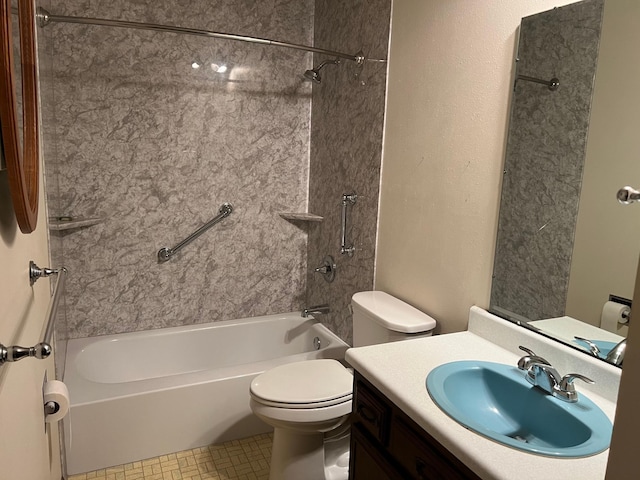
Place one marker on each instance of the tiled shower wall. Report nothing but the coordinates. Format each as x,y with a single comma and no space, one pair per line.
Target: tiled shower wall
346,146
545,160
154,147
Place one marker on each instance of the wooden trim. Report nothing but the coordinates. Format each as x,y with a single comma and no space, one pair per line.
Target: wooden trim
23,161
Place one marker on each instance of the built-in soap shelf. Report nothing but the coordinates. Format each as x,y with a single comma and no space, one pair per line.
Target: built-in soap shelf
301,216
68,222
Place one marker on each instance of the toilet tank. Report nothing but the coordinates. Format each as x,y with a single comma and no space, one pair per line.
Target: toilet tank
381,318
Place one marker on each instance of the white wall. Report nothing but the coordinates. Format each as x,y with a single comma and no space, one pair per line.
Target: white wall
26,450
605,250
450,79
624,461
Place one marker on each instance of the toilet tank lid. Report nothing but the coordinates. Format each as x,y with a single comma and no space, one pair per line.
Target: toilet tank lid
393,313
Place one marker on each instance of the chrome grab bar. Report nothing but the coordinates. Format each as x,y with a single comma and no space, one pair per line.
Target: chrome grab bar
43,349
347,199
164,254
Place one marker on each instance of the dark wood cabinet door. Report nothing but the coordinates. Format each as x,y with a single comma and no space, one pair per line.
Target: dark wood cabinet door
366,461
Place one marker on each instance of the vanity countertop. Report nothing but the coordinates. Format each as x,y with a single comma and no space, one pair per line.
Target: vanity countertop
399,371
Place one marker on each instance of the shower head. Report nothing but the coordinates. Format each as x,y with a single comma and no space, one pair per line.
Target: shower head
314,74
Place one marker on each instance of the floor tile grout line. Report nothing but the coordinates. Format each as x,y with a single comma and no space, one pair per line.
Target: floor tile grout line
230,460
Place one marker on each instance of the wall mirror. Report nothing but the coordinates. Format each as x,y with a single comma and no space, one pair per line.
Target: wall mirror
19,109
566,251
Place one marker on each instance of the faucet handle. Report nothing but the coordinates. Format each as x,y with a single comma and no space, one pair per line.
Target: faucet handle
525,362
567,381
567,390
529,351
593,348
327,269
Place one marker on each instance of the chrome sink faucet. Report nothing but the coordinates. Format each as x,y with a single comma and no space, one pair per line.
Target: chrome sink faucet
525,362
542,375
616,355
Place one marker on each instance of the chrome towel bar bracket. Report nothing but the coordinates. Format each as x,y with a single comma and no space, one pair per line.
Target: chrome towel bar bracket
627,195
165,253
43,349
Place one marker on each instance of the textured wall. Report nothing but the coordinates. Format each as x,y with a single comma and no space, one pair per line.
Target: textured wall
346,146
155,147
450,75
605,250
545,160
28,449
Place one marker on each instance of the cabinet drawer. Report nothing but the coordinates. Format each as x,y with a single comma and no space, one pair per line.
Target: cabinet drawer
371,412
422,457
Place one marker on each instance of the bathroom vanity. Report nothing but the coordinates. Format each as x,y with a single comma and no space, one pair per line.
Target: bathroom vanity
400,433
387,444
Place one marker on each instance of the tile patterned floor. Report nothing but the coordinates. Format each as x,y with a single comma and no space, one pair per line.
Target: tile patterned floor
238,459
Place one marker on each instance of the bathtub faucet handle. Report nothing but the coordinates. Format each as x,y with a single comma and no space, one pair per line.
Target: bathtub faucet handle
327,269
316,310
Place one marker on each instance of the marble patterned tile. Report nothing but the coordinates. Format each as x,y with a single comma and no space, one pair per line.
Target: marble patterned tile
346,145
155,147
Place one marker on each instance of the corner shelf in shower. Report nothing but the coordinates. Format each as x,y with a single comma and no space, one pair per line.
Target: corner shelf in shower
301,217
69,223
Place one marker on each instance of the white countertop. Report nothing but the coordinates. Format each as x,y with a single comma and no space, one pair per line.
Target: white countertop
399,370
566,328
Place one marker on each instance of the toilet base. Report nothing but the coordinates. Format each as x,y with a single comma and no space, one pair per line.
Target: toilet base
298,456
336,454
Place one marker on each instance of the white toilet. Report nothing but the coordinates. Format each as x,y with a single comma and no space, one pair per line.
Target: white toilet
308,403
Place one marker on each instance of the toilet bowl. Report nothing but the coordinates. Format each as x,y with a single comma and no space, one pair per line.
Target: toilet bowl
303,401
308,403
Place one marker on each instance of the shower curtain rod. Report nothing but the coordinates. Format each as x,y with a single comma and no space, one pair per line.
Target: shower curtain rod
45,18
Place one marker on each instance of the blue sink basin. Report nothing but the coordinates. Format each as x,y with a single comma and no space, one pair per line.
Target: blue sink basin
496,401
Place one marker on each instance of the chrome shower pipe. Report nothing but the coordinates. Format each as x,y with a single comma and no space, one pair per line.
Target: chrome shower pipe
45,18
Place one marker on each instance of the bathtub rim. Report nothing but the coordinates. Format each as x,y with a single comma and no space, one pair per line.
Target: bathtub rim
84,391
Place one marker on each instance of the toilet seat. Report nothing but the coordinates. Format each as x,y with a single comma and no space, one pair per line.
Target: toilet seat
302,406
310,384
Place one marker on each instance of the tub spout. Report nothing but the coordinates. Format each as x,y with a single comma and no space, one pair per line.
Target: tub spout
316,310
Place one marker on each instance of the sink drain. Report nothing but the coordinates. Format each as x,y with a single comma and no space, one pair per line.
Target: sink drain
519,438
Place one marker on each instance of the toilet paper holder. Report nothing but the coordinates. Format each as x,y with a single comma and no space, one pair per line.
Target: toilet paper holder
626,315
51,407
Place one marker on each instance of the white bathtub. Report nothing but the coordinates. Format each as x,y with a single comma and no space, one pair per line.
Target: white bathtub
144,394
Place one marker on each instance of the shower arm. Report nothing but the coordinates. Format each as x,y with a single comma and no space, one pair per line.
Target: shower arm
44,18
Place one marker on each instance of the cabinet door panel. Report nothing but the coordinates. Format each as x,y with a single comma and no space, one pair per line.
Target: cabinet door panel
422,456
371,412
366,461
